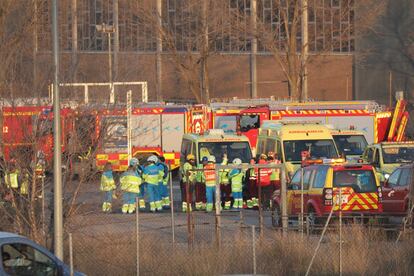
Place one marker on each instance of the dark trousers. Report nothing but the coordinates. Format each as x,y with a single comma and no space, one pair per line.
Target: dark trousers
252,188
266,194
226,192
200,192
183,187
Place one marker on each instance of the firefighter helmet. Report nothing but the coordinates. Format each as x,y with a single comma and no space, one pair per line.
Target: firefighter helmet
153,159
237,161
212,159
190,157
133,162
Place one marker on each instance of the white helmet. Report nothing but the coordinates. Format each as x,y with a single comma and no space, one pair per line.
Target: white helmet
153,159
237,161
133,162
212,159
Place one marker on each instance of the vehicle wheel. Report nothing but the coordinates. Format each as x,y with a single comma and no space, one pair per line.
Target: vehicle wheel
276,216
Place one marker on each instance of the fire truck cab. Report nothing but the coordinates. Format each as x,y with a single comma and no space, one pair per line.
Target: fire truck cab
215,142
387,156
290,139
350,143
322,180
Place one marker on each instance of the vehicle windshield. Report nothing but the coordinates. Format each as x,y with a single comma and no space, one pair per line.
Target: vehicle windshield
392,155
232,149
361,181
350,144
318,149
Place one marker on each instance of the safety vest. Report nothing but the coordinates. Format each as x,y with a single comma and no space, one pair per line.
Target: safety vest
192,177
107,183
275,176
24,186
200,174
264,175
39,170
210,174
130,182
224,174
153,174
236,177
11,180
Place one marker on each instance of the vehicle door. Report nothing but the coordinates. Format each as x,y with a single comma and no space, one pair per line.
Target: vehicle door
308,174
389,202
317,185
20,258
293,187
402,191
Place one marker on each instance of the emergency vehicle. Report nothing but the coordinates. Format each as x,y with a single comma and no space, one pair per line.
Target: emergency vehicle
28,130
155,129
290,139
322,181
387,156
215,142
350,143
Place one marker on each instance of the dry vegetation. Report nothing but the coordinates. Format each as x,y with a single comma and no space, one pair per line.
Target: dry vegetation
364,253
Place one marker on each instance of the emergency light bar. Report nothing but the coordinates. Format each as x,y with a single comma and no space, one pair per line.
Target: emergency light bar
215,132
333,160
399,143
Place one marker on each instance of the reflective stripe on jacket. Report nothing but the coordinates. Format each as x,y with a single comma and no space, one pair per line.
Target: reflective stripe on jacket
187,167
210,174
130,182
107,183
224,174
153,174
11,180
236,177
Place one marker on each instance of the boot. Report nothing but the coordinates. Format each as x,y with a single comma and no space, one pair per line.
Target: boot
166,202
125,208
198,206
184,206
227,205
209,207
131,208
203,206
141,204
152,207
158,205
249,203
255,202
104,207
109,207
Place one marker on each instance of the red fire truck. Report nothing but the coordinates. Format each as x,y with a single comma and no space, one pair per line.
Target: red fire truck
155,129
27,130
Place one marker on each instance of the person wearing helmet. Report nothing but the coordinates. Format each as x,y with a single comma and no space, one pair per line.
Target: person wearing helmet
263,182
200,186
107,187
130,182
163,185
225,186
236,177
275,176
153,175
187,176
210,179
252,200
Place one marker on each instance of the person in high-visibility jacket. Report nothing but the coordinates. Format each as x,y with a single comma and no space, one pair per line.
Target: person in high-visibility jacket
153,175
142,187
107,186
187,176
236,177
225,186
200,186
275,176
24,186
252,200
163,185
130,182
210,178
264,182
11,177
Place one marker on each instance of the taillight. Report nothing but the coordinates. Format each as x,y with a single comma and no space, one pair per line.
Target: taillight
328,196
379,194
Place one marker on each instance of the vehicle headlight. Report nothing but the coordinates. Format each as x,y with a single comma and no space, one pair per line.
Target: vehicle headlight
386,175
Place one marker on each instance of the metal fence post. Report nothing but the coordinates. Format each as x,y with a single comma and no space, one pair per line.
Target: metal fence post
340,231
172,205
284,202
137,234
254,249
218,208
259,185
70,255
301,203
187,196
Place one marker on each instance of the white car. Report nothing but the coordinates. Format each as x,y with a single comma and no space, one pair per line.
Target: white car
21,256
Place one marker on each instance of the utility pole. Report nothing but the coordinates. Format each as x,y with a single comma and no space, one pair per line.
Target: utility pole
116,38
108,29
305,50
57,149
205,92
74,13
253,55
158,63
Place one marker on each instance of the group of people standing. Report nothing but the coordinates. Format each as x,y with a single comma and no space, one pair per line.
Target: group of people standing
137,182
239,188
